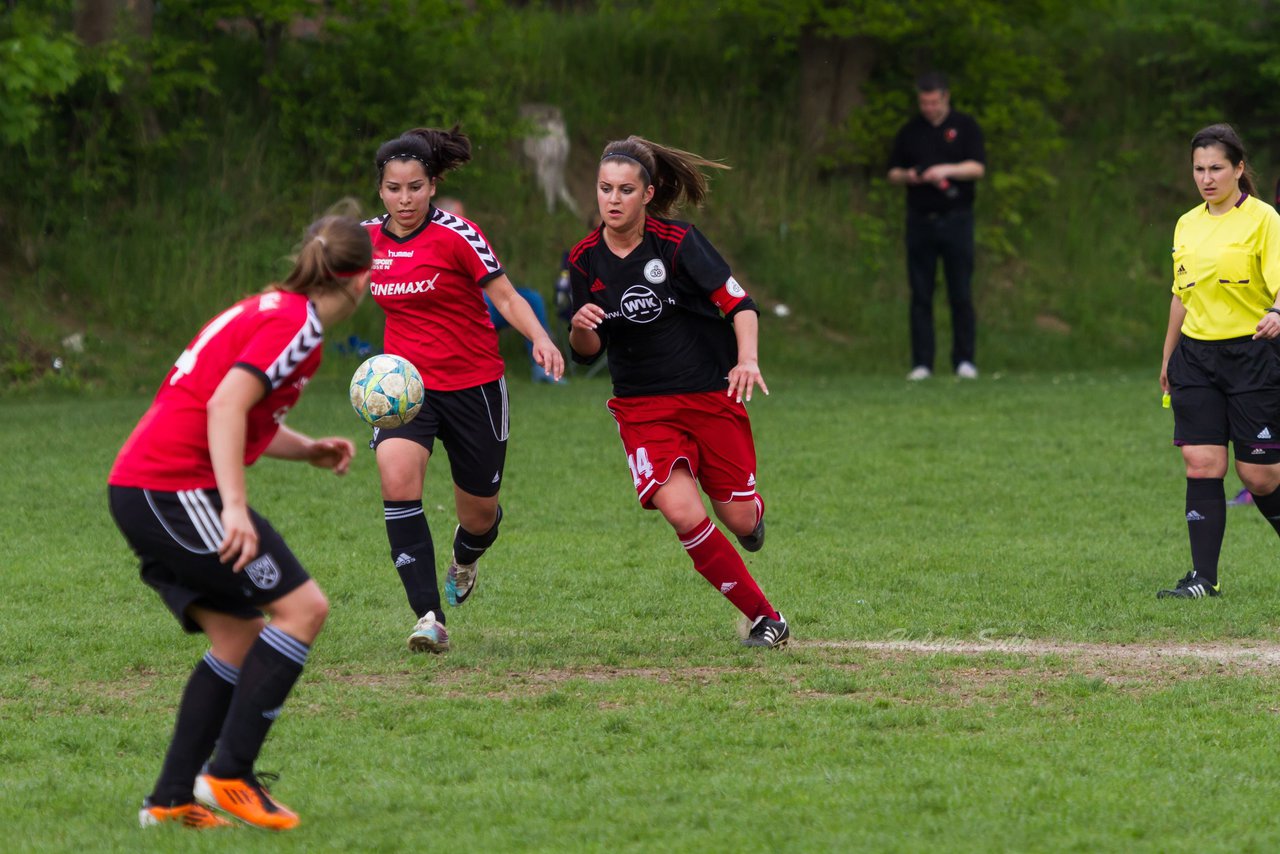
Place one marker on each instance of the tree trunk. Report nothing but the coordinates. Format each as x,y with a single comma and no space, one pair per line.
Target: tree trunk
97,21
833,76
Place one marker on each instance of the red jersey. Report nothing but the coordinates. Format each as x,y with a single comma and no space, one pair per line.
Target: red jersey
275,335
429,284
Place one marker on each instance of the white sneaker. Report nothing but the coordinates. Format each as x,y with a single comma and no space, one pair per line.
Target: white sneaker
429,635
967,371
919,372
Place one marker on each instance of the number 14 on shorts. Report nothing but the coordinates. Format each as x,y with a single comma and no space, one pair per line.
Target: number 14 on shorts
640,465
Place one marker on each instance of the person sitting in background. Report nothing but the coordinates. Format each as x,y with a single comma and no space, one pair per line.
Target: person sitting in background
448,204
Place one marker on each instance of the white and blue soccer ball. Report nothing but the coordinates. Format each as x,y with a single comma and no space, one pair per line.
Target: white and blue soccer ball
386,391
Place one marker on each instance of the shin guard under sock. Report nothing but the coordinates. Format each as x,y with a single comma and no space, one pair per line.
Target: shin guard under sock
271,668
1269,507
414,555
720,564
1206,522
468,547
200,716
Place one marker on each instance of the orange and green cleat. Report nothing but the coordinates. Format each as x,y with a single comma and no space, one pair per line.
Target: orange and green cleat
246,799
192,815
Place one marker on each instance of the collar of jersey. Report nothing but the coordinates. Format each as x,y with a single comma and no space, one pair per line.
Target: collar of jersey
431,214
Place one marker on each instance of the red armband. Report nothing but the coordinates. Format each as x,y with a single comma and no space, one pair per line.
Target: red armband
728,295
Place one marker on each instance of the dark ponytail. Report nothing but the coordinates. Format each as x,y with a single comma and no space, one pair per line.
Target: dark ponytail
675,175
437,150
1225,137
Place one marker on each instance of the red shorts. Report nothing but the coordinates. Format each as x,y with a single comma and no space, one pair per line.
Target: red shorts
709,431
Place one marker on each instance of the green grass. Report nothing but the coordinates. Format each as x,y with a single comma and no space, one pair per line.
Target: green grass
597,698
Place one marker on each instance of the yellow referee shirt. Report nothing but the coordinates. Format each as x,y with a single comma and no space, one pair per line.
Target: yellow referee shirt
1226,269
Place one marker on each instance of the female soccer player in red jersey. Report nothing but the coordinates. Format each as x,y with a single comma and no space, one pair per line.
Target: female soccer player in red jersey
177,493
431,272
681,335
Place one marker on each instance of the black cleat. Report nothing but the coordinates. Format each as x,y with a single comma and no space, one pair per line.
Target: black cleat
754,541
1190,587
768,633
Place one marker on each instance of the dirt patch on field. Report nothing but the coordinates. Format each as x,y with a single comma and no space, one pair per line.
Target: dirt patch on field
1260,655
1000,669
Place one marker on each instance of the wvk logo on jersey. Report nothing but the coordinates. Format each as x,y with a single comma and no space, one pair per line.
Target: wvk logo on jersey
640,304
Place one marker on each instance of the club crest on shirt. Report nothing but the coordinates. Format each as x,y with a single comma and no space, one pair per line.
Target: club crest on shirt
655,271
640,304
263,572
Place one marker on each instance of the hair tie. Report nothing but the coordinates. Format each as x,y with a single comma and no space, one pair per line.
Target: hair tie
323,242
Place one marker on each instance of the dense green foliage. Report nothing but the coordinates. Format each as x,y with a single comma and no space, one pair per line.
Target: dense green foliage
148,179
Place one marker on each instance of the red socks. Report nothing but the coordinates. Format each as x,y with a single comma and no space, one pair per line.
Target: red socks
718,562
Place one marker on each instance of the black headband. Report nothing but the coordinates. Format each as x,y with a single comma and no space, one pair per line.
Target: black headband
405,155
618,154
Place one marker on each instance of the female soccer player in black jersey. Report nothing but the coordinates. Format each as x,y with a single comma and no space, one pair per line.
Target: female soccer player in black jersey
681,335
177,493
431,273
1221,363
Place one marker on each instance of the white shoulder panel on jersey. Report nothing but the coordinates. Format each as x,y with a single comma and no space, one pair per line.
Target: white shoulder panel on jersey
377,220
309,337
473,238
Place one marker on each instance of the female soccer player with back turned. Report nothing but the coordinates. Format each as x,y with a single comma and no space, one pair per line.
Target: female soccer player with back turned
681,335
177,493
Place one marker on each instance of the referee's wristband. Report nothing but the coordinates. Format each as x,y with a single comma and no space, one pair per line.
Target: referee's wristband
1272,310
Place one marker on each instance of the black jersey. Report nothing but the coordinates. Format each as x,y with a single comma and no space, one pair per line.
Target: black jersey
920,145
663,325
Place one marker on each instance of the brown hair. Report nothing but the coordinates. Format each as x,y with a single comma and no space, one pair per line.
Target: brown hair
1225,137
675,175
437,150
334,248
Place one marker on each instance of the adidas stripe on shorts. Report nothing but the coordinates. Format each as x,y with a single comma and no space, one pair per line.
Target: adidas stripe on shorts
1227,390
472,424
176,537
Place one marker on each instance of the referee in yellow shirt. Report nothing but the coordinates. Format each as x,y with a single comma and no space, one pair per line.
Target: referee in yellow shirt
1221,362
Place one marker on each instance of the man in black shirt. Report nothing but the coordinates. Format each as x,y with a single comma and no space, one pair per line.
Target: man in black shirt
938,156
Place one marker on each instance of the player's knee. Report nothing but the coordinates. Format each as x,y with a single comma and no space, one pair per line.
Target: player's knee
301,614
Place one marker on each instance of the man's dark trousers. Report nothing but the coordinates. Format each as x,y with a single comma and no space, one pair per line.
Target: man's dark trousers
949,236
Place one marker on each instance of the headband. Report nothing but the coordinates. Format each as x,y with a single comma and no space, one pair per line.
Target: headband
426,167
609,155
347,274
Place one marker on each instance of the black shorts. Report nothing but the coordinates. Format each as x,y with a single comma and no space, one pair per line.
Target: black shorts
1227,391
472,424
176,537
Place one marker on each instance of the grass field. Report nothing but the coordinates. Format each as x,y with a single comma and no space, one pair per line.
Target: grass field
979,663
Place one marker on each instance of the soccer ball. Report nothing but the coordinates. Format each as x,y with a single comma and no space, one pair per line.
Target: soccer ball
386,391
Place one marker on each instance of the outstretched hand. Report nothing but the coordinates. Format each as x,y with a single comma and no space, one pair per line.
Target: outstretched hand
333,453
744,377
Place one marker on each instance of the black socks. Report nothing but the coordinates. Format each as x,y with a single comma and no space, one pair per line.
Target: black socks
414,555
1206,522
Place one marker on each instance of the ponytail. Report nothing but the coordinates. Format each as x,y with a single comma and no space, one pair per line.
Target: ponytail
675,175
334,248
437,150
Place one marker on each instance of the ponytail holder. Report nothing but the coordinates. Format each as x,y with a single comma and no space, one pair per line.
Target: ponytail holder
348,274
323,242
